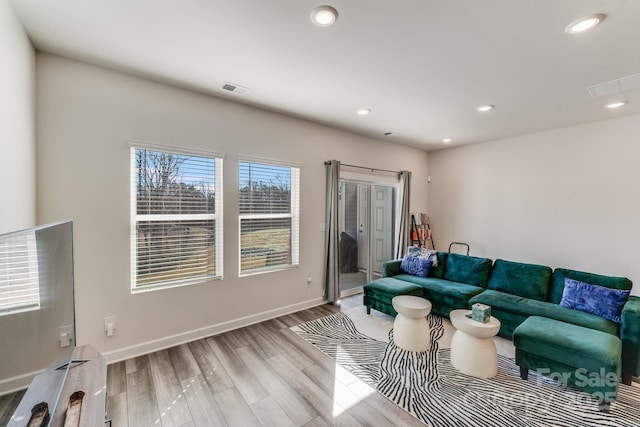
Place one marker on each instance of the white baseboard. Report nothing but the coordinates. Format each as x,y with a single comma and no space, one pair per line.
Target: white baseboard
13,384
196,334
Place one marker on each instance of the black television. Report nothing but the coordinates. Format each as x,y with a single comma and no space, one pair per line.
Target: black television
37,316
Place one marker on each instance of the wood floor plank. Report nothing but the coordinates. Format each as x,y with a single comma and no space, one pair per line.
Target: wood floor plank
270,414
210,366
306,388
260,338
297,409
317,422
202,403
8,405
386,406
172,404
289,320
117,409
308,350
243,379
274,324
283,342
356,404
235,409
309,314
116,378
142,407
137,363
5,402
235,338
184,363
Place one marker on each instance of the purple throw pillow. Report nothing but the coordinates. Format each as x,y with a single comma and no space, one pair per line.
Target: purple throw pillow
416,266
594,299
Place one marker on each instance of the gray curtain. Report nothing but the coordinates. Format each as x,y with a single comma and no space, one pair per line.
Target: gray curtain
404,227
331,234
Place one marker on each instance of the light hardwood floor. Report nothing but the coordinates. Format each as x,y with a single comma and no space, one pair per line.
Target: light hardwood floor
261,375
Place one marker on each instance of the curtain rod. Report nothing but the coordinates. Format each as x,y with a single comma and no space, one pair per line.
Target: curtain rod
364,167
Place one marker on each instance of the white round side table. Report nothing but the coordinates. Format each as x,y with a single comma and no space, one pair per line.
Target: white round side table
473,351
410,328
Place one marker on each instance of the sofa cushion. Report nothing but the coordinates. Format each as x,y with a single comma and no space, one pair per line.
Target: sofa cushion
570,344
379,294
444,295
415,265
559,274
525,280
599,300
388,287
441,286
509,303
437,271
467,269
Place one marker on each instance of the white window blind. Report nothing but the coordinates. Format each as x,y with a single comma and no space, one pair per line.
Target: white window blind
19,281
269,207
176,218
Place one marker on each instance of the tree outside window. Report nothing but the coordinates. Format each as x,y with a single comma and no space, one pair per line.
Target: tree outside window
269,216
176,218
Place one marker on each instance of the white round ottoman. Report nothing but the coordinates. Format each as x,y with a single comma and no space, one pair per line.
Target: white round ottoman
410,328
473,351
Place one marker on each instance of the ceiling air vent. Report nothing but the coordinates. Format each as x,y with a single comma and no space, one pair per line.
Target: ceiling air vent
615,86
237,89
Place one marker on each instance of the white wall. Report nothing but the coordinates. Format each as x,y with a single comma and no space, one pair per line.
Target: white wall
563,198
87,114
17,124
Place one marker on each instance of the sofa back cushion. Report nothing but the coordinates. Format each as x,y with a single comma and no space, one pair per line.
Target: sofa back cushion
437,271
559,274
526,280
467,269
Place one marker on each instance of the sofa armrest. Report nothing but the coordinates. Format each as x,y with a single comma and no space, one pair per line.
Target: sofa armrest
391,268
630,336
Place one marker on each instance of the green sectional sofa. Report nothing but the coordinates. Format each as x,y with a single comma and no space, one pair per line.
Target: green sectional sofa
516,291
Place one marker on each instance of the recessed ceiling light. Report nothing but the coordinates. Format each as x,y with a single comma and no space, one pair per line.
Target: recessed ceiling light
584,24
324,16
447,140
484,108
364,111
614,105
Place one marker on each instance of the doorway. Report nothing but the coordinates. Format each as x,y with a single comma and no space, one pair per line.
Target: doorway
366,220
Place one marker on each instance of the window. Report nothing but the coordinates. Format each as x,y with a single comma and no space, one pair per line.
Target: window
269,198
176,217
19,284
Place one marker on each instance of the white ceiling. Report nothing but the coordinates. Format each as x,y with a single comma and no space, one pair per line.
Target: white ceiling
421,66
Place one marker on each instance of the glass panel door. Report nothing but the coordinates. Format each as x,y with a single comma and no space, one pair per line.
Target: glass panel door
366,220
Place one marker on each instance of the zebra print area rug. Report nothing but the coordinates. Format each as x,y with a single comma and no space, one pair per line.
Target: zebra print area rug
426,384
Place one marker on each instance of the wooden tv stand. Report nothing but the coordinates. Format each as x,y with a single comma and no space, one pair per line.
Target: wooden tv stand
88,373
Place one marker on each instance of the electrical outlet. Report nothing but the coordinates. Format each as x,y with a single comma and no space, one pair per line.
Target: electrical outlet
110,325
65,335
